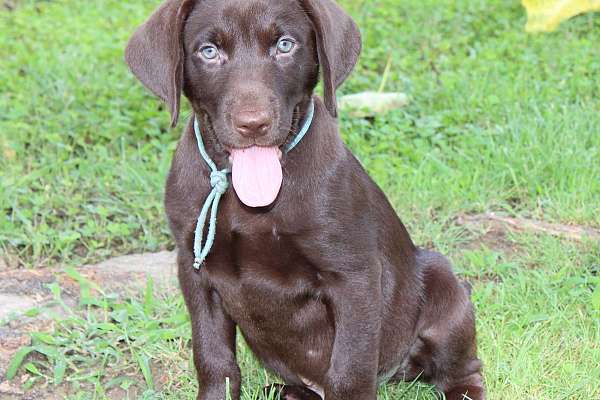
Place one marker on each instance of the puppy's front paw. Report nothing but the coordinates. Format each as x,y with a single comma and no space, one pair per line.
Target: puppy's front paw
278,391
466,392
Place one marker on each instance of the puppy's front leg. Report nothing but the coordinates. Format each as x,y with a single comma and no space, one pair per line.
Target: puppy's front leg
213,336
355,302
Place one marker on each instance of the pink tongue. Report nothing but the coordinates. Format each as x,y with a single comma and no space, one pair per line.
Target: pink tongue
256,175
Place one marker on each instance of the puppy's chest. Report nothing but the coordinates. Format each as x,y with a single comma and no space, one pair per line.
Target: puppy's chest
265,267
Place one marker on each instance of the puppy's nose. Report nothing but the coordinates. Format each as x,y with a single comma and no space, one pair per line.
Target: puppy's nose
252,123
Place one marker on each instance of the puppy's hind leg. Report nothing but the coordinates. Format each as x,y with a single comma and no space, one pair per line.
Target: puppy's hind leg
445,352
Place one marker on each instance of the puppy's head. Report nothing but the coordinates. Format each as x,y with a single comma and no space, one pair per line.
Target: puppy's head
248,65
248,68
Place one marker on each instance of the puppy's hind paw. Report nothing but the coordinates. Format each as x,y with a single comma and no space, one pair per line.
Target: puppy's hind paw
278,391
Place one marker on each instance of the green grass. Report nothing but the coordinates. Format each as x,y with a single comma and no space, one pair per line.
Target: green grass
498,120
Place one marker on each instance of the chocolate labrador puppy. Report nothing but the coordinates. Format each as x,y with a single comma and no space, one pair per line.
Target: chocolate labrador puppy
309,259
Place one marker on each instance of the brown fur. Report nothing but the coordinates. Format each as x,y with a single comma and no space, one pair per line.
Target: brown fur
325,284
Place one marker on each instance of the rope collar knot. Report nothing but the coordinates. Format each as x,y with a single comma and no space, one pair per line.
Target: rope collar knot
219,182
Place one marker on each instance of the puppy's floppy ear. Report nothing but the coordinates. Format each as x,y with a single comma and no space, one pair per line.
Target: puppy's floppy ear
155,53
338,45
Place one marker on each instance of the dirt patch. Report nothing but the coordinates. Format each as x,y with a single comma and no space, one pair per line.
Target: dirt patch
23,289
479,235
492,222
492,238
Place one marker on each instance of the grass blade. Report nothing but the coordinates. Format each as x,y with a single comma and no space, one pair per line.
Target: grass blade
144,363
59,371
17,361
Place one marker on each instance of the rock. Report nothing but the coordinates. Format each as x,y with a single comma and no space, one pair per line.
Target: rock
369,104
14,305
134,270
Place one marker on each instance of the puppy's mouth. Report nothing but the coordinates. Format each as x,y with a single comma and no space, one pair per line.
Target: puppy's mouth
256,169
231,151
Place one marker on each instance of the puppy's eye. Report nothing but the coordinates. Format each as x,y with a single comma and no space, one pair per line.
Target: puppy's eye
209,52
285,45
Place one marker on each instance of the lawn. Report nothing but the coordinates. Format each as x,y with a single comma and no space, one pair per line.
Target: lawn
498,120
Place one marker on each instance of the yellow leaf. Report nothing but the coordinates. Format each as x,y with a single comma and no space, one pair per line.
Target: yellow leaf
546,15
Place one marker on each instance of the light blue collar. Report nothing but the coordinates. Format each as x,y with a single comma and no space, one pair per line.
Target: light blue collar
219,182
